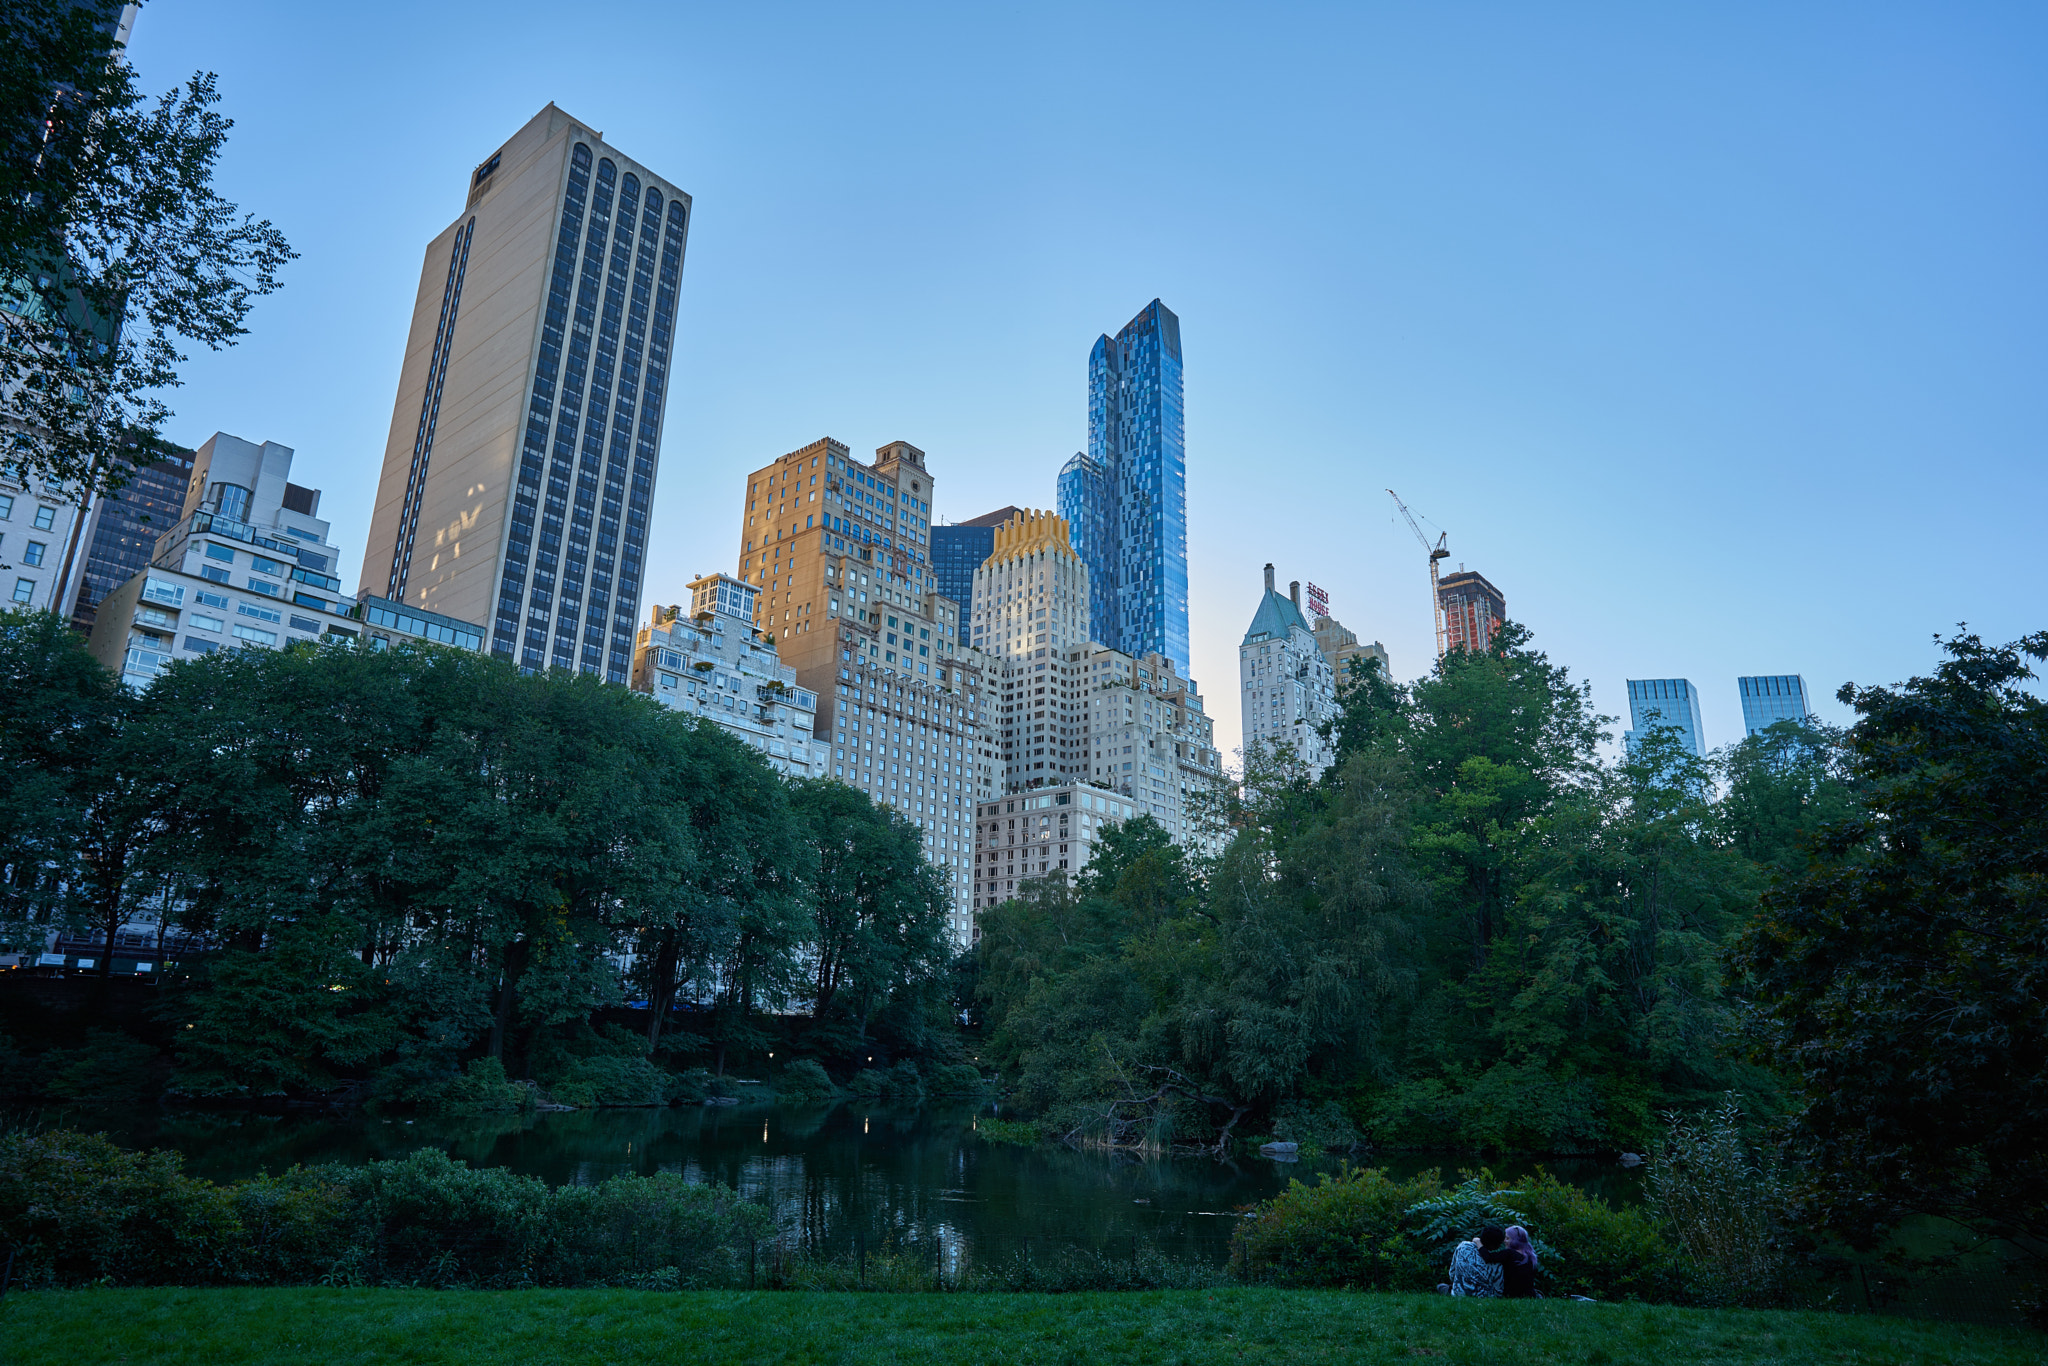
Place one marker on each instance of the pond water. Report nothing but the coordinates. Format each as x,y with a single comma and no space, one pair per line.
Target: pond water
835,1175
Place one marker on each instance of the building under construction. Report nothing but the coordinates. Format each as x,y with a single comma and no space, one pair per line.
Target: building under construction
1472,608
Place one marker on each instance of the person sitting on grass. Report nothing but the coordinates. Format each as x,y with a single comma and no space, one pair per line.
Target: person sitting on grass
1515,1259
1474,1272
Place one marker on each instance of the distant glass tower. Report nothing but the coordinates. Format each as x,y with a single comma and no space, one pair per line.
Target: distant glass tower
1126,500
1770,698
1670,702
958,548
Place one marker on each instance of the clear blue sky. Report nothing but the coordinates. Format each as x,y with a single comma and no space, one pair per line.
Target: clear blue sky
1712,333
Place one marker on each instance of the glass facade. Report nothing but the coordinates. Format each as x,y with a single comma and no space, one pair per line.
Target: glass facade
1770,698
1672,702
1125,500
957,551
125,529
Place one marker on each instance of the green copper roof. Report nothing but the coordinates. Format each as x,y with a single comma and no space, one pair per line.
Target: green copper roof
1276,616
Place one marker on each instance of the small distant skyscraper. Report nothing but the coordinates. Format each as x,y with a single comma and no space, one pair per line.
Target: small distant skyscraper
1473,611
1770,698
122,529
1672,702
1288,685
1126,500
958,549
521,462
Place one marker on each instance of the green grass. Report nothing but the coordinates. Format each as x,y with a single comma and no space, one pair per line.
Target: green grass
624,1328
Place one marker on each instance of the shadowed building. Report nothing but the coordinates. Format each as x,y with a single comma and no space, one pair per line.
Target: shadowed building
526,434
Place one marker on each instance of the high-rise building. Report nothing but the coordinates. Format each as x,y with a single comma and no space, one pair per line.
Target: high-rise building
711,662
1340,645
1672,702
1150,739
1049,832
1287,688
836,552
1770,698
249,565
1125,500
958,548
1031,617
527,431
121,531
1473,611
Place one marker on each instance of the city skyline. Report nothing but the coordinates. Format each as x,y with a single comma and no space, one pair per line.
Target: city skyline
1582,352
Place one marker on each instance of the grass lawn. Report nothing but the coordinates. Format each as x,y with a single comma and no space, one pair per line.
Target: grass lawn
621,1328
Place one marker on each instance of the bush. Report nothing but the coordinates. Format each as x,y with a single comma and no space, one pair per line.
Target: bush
610,1080
79,1210
482,1089
869,1084
804,1082
1721,1205
1364,1229
957,1079
1349,1229
904,1083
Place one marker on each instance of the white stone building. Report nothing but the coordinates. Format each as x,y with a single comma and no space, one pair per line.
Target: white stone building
38,532
1040,833
248,565
713,663
1149,739
1285,684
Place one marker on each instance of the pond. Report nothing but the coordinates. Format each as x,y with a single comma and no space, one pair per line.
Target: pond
835,1175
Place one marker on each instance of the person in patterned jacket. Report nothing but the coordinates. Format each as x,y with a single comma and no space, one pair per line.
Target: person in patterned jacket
1471,1274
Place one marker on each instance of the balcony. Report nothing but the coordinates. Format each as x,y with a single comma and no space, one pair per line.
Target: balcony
213,523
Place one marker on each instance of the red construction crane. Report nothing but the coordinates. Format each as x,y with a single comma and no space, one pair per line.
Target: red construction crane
1439,552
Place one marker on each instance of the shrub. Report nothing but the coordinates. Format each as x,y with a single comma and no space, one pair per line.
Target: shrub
1363,1229
804,1082
904,1083
79,1210
1348,1229
869,1083
957,1079
482,1089
1721,1204
610,1080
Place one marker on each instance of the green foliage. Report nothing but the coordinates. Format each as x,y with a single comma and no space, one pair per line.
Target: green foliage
1349,1229
412,856
957,1079
115,247
81,1211
1467,932
1363,1229
482,1089
1023,1133
1899,977
1723,1204
804,1082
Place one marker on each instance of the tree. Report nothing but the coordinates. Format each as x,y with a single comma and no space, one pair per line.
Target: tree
115,249
1903,978
63,713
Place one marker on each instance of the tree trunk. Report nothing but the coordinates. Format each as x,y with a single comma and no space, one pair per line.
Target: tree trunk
511,962
661,991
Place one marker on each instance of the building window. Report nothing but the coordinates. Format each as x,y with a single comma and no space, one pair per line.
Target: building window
24,589
46,517
33,554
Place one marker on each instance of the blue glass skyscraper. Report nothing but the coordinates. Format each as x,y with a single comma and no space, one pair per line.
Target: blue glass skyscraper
1672,702
958,549
1126,499
1770,698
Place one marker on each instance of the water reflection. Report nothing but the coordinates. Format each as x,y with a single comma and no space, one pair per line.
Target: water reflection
833,1174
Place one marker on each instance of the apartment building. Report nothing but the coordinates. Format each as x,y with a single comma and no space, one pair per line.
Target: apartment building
1340,646
1046,832
710,662
1031,600
1149,739
836,550
38,528
1286,686
249,564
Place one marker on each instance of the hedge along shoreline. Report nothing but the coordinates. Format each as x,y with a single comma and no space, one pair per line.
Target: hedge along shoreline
78,1210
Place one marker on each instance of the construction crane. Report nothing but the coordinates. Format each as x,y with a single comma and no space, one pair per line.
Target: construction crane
1438,552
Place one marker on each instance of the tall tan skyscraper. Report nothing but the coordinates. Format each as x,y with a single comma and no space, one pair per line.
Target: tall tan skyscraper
524,442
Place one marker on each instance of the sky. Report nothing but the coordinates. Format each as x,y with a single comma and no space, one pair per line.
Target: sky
1715,335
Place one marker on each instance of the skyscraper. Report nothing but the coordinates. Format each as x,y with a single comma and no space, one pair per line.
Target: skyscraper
1670,702
1126,500
1770,698
1031,618
1473,611
958,549
527,430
